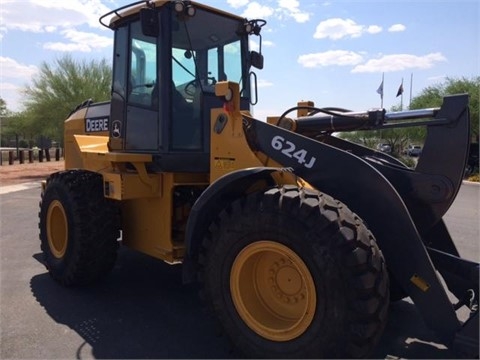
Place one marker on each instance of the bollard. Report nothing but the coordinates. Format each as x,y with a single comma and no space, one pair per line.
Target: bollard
30,156
40,155
47,154
10,157
57,154
1,158
21,157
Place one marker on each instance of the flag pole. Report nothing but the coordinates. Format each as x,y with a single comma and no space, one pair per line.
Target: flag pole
401,99
383,84
411,85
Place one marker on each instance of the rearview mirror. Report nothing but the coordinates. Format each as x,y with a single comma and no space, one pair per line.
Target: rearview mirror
256,60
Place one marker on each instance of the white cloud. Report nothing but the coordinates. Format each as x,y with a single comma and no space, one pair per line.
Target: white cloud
399,62
374,29
5,86
256,11
397,28
43,15
291,8
11,94
285,9
79,41
11,69
386,63
95,9
332,57
66,47
337,28
13,74
437,79
268,43
264,83
289,4
237,3
53,16
300,17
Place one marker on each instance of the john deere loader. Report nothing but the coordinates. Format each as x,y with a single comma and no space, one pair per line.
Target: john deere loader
299,239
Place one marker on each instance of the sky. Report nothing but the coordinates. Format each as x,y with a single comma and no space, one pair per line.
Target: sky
332,52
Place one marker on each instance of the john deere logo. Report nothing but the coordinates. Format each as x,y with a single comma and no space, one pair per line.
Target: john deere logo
116,129
96,124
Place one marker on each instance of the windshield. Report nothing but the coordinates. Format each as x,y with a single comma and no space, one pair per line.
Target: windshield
203,55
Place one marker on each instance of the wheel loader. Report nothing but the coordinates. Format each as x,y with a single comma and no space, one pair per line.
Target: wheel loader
298,239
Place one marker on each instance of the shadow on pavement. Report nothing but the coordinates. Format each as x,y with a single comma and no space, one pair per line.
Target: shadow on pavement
142,310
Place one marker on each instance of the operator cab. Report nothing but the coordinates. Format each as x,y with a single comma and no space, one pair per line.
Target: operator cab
168,56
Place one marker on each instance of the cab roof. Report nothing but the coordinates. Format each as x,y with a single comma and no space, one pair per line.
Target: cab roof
114,16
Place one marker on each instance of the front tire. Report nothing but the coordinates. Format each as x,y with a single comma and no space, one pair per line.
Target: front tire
294,273
79,228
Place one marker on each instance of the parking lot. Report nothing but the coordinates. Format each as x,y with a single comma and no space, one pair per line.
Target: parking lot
142,310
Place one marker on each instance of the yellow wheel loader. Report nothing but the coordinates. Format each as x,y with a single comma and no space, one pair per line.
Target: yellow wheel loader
299,239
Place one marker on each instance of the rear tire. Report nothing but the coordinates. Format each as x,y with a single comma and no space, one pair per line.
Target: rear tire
294,273
79,228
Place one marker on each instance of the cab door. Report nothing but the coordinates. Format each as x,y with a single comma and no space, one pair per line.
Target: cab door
135,104
142,127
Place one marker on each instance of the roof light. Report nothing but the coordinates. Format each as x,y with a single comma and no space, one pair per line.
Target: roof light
191,11
179,6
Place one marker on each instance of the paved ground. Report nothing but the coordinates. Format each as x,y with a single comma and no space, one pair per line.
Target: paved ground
142,310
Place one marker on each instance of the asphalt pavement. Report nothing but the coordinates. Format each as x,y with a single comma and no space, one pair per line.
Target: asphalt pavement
142,310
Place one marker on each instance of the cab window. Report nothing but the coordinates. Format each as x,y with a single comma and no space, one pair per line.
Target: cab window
143,68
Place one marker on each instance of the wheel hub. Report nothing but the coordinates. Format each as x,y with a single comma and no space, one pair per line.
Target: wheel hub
273,290
57,229
286,281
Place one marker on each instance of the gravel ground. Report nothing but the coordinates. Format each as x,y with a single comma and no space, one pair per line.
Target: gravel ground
21,173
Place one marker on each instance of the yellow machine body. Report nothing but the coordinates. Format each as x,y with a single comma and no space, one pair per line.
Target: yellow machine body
146,198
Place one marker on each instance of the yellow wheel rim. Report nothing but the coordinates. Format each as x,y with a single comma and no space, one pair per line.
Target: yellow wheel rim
273,291
57,229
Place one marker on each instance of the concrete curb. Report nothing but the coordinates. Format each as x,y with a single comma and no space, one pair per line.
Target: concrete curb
471,182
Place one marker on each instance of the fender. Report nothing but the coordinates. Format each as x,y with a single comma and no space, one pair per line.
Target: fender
366,191
211,202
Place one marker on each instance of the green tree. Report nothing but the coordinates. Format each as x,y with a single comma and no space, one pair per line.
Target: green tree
14,126
58,88
429,97
5,123
432,97
397,138
3,107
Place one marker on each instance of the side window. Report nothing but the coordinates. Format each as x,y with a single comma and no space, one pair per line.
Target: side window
233,61
143,69
183,73
225,62
213,69
119,65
